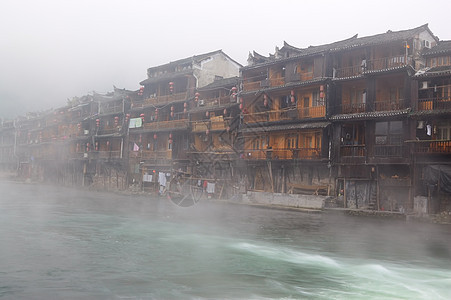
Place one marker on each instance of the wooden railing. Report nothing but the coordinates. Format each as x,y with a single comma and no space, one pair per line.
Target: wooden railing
108,130
388,150
164,99
251,86
173,124
432,146
388,105
286,114
213,102
352,150
108,154
283,153
348,71
277,81
148,154
349,108
109,110
200,126
434,103
388,62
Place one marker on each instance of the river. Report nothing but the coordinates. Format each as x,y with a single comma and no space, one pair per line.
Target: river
60,243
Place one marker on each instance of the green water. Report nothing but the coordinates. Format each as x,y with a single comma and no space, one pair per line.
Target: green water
57,243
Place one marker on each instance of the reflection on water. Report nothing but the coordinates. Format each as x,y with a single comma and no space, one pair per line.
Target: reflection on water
63,244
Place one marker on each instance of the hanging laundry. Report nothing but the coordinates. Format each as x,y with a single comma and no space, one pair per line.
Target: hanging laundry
135,147
162,178
210,188
429,130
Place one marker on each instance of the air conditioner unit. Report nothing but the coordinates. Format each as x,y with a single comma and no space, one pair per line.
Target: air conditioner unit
201,102
426,44
424,85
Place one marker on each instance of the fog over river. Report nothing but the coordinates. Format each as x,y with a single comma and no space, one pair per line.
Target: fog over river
60,243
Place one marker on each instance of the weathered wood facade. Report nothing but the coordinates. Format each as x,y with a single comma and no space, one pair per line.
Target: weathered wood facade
362,120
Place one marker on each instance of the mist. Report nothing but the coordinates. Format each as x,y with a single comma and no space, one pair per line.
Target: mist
53,50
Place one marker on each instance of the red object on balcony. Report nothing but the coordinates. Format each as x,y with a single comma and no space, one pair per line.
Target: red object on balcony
321,94
171,86
241,106
155,136
172,114
170,135
225,111
185,104
321,88
292,93
207,113
172,108
184,110
234,89
170,141
142,116
207,132
292,98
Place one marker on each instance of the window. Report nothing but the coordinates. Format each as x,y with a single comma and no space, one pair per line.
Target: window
444,130
389,133
292,142
316,100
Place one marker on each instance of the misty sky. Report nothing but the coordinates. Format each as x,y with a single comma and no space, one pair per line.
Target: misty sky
52,50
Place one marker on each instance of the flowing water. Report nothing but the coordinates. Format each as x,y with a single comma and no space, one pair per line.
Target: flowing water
58,243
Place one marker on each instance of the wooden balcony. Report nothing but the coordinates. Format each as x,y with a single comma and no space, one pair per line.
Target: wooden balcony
167,125
283,153
388,150
352,150
277,81
432,146
442,103
107,154
219,123
388,62
350,108
112,109
200,126
251,86
108,130
348,71
158,100
390,105
286,114
217,102
153,155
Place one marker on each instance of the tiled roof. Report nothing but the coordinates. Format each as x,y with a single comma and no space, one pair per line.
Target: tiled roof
442,47
225,82
285,127
432,113
435,71
166,76
353,42
370,115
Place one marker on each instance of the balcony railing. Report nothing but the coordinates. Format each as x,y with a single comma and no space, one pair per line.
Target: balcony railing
164,99
154,155
162,125
348,71
277,81
434,103
432,146
352,150
110,110
200,126
349,108
213,102
108,154
389,105
252,86
286,114
283,153
108,130
388,62
388,150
